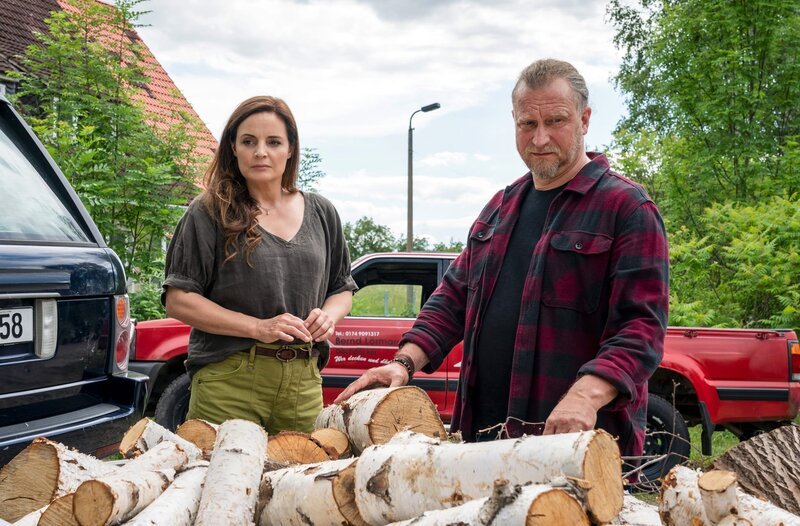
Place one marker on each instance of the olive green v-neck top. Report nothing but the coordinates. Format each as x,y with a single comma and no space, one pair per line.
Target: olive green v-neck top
294,276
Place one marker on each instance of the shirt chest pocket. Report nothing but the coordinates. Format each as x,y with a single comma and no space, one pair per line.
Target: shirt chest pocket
576,268
480,242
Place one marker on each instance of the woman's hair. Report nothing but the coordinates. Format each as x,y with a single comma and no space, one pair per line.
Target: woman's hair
226,196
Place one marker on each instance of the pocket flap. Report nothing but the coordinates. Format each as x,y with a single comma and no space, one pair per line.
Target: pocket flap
481,231
581,242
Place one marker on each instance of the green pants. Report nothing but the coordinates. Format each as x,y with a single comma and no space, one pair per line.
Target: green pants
281,396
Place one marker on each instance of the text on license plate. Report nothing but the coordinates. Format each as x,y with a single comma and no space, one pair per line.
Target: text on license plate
16,325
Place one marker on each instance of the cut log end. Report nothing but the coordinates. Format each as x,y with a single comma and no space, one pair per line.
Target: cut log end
292,447
717,480
200,433
556,508
93,503
344,494
59,513
333,440
602,467
405,408
127,446
29,480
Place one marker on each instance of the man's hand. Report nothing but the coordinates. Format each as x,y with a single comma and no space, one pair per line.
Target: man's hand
572,414
391,375
577,411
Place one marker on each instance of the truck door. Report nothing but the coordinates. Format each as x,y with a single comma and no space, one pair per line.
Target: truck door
392,289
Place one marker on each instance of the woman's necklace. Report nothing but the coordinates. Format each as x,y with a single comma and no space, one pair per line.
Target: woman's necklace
268,210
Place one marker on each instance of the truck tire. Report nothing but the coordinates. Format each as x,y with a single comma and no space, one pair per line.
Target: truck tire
174,403
667,436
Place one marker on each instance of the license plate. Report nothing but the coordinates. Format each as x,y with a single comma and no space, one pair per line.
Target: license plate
16,325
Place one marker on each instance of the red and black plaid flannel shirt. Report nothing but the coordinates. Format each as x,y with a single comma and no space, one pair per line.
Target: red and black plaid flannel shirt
594,301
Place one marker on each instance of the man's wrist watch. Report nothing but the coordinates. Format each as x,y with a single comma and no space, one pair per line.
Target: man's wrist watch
406,362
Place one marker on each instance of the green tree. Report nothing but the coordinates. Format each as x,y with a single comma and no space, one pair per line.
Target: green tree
716,87
79,93
420,244
453,246
365,236
309,172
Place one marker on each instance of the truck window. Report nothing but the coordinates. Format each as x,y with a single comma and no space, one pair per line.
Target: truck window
393,287
387,301
29,209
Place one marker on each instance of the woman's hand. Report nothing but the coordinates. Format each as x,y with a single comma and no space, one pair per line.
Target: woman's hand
285,327
320,325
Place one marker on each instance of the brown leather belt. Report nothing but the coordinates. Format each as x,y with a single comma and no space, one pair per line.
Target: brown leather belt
286,353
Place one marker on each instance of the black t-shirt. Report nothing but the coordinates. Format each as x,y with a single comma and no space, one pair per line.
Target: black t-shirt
494,352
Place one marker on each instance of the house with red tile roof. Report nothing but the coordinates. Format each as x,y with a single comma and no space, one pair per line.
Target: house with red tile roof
20,20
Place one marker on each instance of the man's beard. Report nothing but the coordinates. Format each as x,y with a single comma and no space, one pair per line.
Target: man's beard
550,170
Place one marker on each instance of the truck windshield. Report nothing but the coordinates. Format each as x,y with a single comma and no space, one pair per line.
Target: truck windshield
29,209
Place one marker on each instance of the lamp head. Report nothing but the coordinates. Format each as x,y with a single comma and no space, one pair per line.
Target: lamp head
431,107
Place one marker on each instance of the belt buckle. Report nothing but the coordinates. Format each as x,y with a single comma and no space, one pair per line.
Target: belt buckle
292,354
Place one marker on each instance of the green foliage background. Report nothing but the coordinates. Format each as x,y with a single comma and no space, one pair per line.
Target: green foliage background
133,170
713,96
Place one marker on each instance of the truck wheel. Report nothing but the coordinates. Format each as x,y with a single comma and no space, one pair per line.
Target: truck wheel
174,403
667,437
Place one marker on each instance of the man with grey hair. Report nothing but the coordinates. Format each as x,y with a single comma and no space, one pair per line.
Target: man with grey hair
561,293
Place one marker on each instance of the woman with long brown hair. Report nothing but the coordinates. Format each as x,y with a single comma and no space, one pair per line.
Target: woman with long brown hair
261,272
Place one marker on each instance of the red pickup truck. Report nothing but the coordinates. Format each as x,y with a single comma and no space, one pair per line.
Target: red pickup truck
743,380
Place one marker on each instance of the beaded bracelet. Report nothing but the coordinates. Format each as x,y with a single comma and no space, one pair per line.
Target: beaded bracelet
406,362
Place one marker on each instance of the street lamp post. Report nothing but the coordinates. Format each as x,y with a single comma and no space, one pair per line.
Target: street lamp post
410,227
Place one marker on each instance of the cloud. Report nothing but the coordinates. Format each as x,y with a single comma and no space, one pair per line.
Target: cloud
451,158
352,68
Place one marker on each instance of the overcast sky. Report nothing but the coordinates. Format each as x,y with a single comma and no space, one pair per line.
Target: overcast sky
353,71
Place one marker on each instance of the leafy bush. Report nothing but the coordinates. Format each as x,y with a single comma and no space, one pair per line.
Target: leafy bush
745,272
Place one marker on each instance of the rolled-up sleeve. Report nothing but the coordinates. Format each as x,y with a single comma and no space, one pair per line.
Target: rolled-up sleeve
633,339
191,254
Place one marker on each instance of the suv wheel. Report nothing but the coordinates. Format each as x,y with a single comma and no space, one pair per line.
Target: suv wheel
174,403
667,437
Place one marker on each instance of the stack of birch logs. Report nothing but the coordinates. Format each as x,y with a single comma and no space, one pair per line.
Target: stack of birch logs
382,457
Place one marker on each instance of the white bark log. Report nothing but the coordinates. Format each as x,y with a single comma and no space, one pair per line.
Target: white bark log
178,505
230,492
734,520
41,472
536,504
638,513
718,492
375,416
763,513
146,434
319,494
122,495
681,503
410,475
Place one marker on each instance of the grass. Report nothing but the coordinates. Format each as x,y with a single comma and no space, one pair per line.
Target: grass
389,301
721,441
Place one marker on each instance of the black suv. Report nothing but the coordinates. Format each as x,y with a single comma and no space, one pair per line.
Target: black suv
65,327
